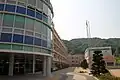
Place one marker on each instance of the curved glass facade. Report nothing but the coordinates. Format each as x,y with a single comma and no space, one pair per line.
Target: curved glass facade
25,25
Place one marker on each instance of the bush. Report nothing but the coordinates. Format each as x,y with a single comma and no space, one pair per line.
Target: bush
84,64
108,76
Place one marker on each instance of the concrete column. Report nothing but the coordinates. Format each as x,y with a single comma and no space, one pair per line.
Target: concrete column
49,66
11,64
34,60
44,66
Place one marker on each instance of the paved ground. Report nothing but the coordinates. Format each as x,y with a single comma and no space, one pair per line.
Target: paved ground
115,72
65,74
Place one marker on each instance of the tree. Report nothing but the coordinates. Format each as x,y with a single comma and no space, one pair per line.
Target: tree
98,65
84,64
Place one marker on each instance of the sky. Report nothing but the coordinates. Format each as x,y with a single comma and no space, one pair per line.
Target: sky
70,18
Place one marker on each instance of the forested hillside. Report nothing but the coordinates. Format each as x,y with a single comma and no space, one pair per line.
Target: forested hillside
79,45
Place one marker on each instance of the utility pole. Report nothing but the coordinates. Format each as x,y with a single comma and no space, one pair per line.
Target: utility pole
88,32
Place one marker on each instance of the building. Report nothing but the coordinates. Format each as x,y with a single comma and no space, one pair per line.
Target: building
107,55
25,36
75,59
60,52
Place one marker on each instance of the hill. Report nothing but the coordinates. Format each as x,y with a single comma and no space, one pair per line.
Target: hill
80,44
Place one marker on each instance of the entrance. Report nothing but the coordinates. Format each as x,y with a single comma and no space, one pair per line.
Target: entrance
4,64
19,64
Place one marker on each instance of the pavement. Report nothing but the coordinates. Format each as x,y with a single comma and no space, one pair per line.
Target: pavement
115,72
64,74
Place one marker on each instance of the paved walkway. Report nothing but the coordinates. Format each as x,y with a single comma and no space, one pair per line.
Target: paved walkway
65,74
115,72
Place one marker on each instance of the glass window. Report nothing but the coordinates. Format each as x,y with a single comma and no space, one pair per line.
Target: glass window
7,30
39,4
44,29
37,49
28,48
32,2
17,47
29,33
38,35
22,1
31,12
10,8
45,18
29,24
19,21
2,0
8,20
6,37
1,7
5,46
38,26
28,40
45,8
39,15
17,38
11,1
1,19
44,43
18,31
37,41
21,10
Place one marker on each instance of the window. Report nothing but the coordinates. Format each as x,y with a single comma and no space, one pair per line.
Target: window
45,8
7,30
21,10
38,35
18,31
28,40
31,12
39,4
29,24
32,2
1,19
44,43
10,8
44,28
8,20
28,48
17,38
5,46
38,26
37,49
24,1
1,7
17,47
37,41
6,37
19,22
39,15
2,0
45,18
29,33
11,1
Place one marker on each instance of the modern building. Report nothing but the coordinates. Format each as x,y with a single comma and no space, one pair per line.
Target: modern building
107,55
60,52
75,59
25,36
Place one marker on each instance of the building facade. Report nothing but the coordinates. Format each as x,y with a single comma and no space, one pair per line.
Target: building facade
25,36
107,55
75,59
60,52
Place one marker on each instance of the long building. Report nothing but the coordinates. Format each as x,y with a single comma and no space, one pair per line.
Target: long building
60,52
25,36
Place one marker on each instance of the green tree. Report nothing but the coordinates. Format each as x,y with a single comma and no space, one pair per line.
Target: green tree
84,64
98,65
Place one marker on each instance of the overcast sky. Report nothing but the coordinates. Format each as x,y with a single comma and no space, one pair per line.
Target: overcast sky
70,17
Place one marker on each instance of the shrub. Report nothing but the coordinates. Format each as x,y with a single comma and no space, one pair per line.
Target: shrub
84,64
